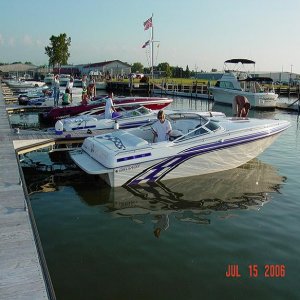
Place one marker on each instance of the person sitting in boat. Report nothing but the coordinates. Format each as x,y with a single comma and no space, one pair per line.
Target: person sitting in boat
66,100
161,128
240,106
109,106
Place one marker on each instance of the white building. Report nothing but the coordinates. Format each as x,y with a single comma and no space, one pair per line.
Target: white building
112,68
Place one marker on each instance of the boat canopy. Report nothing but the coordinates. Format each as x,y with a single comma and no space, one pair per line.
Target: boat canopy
239,60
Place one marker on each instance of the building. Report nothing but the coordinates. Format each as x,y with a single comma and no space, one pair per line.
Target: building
26,71
111,68
107,68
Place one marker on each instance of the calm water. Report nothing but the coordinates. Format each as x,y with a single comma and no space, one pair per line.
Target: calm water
174,240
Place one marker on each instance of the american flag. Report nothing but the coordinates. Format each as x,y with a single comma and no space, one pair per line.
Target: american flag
148,24
146,44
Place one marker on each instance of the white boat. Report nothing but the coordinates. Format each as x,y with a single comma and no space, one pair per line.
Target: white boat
101,85
77,82
136,116
49,78
64,79
19,84
200,143
239,82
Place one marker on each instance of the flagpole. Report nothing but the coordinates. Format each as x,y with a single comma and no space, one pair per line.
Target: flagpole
152,52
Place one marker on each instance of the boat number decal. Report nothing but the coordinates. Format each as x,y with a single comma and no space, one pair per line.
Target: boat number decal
127,168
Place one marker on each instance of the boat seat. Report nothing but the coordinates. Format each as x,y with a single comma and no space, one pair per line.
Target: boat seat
174,134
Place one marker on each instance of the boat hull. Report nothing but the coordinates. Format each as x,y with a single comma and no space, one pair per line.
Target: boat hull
258,100
98,106
202,163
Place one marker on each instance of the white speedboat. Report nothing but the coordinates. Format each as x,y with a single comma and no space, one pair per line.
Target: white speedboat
19,84
239,82
200,143
136,116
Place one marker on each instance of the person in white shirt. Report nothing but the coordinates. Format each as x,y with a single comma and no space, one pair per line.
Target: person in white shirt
109,106
161,128
70,87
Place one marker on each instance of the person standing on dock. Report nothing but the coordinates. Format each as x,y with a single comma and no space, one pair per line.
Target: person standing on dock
55,85
109,106
92,88
84,96
240,106
70,87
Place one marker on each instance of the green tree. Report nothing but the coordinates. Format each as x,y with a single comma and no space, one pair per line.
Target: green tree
166,68
177,72
137,67
187,72
58,50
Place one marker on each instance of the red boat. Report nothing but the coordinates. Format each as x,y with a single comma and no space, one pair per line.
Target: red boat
94,107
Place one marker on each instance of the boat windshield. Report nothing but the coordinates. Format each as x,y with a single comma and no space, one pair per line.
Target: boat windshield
188,125
136,111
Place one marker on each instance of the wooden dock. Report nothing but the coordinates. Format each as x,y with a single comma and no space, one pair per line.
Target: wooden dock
23,271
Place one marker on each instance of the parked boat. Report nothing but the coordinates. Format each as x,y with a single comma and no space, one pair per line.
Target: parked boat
49,78
101,85
77,82
97,106
200,143
64,79
238,81
20,84
36,93
136,116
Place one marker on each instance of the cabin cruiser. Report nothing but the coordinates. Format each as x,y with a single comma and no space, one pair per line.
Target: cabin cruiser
136,116
200,143
240,82
97,106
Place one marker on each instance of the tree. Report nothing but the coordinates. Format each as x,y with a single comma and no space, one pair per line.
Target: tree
166,68
177,72
187,72
58,50
137,67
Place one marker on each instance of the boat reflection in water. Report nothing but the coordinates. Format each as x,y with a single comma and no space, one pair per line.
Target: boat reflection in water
191,199
194,199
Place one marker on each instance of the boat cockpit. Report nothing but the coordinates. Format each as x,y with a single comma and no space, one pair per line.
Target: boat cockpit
189,125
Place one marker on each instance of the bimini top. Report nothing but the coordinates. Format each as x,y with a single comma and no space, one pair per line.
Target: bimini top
239,60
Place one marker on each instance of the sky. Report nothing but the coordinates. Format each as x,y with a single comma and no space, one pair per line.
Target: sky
195,33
